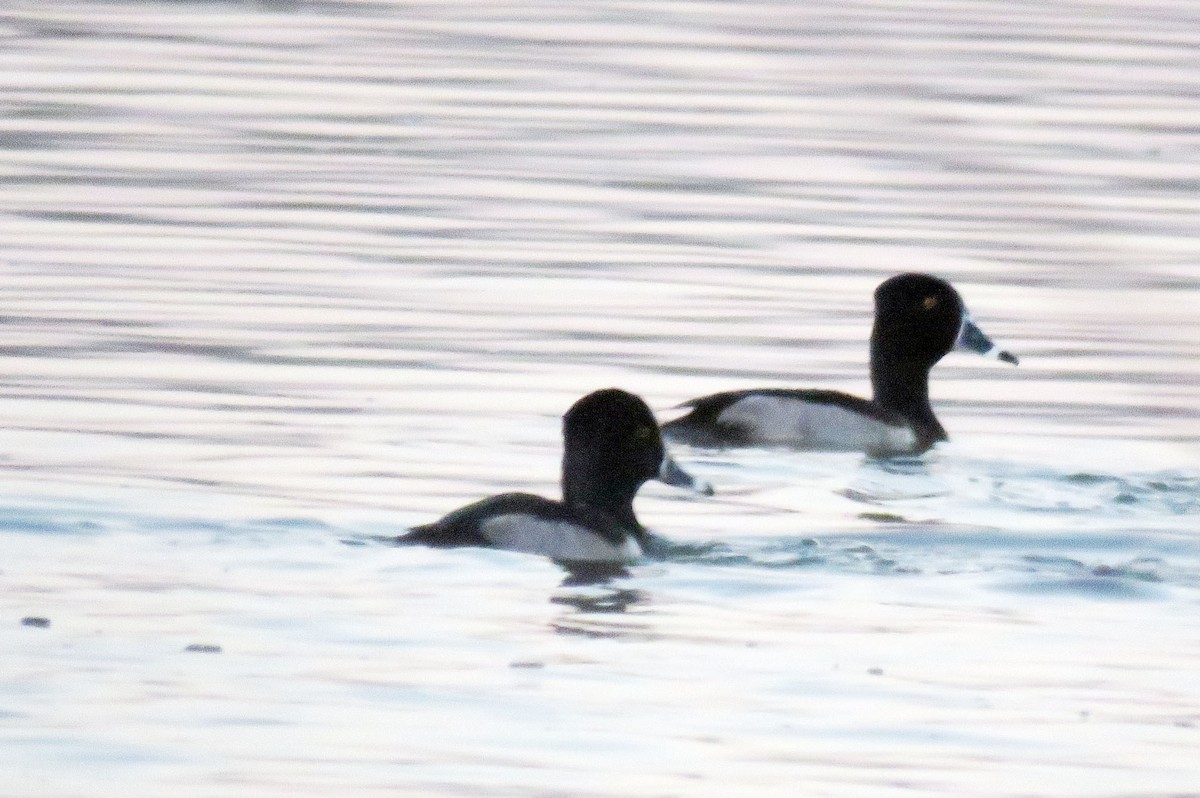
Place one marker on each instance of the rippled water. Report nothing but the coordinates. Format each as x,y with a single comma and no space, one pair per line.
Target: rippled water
284,278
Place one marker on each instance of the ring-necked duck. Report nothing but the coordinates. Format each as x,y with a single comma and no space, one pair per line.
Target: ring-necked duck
611,445
918,319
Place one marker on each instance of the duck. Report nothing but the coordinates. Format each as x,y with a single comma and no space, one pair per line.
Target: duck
611,446
919,319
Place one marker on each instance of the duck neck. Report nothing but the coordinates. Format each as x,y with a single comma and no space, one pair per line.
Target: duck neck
613,498
902,386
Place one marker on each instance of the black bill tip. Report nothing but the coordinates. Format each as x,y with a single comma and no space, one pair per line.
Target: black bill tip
672,474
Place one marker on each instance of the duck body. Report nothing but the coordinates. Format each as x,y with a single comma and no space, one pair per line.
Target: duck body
814,419
918,320
525,522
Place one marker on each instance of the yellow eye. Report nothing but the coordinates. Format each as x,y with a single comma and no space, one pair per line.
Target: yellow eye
929,303
642,433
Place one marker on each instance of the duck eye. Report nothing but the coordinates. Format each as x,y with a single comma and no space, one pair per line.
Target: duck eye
929,303
642,433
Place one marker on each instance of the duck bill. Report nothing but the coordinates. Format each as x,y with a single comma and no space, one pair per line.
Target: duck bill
972,339
670,473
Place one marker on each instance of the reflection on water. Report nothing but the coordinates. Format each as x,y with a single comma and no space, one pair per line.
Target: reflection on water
593,614
616,600
281,276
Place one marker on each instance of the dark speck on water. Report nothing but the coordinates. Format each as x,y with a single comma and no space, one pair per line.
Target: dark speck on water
885,518
203,648
36,622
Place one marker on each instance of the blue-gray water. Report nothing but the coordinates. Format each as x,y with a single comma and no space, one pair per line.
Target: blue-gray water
282,278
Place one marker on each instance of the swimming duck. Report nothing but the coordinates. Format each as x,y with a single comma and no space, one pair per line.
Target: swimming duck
918,320
611,446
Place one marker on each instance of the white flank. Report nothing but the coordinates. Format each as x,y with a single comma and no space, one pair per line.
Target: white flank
814,425
558,540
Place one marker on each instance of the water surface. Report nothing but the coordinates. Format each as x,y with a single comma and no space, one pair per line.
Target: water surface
284,278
